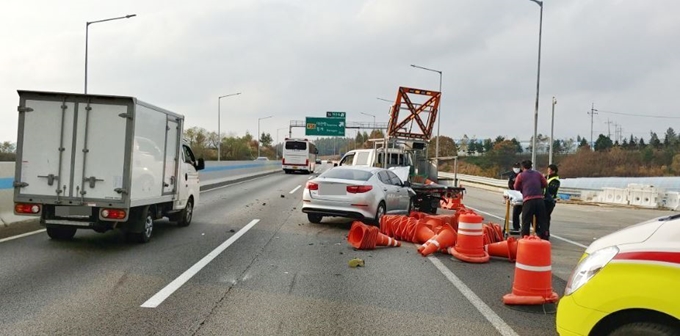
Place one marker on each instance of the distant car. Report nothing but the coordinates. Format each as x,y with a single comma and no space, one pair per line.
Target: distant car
329,161
262,158
626,283
318,161
363,193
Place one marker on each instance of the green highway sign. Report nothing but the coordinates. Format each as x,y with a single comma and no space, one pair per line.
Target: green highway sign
332,114
325,126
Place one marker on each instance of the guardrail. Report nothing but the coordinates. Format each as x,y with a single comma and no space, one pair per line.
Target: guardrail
215,174
649,197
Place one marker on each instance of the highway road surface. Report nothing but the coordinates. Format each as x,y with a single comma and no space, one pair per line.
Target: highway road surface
251,264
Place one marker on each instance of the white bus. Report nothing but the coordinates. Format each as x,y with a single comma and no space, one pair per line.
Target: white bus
299,155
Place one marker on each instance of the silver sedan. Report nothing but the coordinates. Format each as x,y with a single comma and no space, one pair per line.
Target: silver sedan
363,193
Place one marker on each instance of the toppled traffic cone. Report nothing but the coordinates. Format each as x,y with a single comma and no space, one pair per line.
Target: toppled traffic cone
504,249
364,237
470,241
533,274
445,238
422,234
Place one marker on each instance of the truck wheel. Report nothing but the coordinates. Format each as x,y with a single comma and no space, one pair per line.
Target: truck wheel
314,218
187,214
644,329
61,233
142,219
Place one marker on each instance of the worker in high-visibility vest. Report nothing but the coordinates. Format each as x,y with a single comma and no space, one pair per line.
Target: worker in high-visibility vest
550,197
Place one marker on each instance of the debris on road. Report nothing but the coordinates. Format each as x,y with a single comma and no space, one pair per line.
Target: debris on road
356,262
283,196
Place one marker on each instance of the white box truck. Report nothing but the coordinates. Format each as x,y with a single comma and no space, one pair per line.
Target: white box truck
102,162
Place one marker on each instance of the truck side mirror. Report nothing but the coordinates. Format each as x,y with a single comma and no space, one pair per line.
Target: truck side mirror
200,165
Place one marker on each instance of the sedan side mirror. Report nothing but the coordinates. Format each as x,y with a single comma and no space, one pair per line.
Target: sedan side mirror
200,165
406,184
335,165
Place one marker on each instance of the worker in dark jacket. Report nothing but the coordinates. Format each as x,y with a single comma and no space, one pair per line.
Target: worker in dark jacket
550,198
517,209
531,183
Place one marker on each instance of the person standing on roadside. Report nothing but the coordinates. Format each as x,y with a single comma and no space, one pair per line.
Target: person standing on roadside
551,192
517,209
531,183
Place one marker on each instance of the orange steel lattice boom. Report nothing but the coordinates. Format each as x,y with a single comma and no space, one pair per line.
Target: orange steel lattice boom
423,115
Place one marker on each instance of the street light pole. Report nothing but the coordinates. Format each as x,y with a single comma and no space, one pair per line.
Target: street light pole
552,129
258,134
219,123
439,119
87,38
370,115
538,81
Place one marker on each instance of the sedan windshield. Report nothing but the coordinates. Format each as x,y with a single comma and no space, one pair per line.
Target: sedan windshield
347,174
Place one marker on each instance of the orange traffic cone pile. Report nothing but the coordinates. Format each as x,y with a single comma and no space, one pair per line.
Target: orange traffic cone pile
493,233
364,237
533,274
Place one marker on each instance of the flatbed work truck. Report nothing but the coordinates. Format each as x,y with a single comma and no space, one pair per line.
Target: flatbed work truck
102,162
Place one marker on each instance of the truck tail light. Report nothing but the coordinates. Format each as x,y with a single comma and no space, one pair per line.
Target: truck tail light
27,208
283,161
113,213
312,186
359,189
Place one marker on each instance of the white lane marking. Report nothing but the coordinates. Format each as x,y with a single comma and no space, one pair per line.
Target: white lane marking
294,190
495,320
551,235
21,235
311,177
164,293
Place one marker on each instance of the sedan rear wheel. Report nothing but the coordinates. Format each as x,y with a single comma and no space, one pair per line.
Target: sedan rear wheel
379,213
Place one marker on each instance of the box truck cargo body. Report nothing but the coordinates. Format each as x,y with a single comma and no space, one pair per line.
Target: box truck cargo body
102,162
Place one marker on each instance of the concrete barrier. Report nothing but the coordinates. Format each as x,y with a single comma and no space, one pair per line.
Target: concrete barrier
214,175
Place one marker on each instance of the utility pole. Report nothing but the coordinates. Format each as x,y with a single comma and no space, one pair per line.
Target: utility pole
609,129
592,113
552,128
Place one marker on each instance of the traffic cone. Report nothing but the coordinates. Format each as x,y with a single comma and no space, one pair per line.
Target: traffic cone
470,242
364,237
533,274
445,238
504,249
423,233
384,240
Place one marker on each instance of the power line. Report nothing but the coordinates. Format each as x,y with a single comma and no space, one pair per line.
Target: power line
638,115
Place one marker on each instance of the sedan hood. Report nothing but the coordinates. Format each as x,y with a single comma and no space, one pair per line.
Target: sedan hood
637,233
401,172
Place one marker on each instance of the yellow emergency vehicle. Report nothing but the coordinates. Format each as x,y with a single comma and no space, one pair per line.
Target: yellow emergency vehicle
626,283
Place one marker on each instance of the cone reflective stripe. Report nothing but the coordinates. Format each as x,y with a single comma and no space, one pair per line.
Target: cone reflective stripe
532,284
505,249
470,242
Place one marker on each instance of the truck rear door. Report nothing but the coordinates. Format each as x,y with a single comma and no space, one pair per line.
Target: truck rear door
100,146
72,148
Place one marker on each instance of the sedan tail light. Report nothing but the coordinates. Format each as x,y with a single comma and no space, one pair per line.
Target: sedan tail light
312,186
359,189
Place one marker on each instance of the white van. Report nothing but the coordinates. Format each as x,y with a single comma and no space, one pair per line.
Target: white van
102,162
299,155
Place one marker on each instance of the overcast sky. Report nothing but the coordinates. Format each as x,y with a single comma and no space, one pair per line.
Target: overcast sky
294,58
